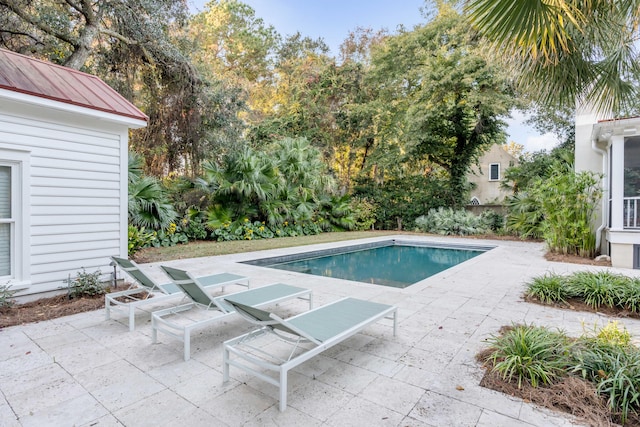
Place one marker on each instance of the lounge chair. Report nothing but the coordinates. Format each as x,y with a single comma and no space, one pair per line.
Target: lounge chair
176,321
307,334
147,291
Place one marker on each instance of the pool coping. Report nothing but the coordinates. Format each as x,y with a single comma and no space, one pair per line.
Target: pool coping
263,262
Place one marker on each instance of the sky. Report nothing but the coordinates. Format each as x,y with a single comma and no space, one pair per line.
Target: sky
332,20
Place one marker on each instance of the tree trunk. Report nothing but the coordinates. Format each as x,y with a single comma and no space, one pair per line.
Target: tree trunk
83,48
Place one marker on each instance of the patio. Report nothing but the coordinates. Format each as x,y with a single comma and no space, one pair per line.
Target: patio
84,371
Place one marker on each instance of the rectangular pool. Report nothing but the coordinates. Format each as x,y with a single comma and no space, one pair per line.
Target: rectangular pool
390,263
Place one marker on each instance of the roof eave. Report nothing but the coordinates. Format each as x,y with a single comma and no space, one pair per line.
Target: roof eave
129,121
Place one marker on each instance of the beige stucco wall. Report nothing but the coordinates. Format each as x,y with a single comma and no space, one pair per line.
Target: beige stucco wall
621,255
486,191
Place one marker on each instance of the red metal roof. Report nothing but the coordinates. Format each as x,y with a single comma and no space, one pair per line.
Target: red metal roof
20,73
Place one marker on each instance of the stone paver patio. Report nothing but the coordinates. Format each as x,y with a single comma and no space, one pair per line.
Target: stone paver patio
81,370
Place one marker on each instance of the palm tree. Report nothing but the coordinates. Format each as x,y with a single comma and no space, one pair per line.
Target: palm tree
567,50
149,206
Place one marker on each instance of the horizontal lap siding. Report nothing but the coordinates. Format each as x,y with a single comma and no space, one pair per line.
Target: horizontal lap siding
75,197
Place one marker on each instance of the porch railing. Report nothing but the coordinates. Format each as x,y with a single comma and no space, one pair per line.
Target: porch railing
632,212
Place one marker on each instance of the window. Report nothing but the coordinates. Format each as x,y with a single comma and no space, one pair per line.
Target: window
7,222
475,201
494,172
14,218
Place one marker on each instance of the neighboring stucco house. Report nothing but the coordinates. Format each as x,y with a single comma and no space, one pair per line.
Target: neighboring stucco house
63,173
488,175
612,148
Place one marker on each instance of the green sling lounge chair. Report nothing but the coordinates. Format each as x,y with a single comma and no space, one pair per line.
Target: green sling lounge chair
177,322
147,291
306,334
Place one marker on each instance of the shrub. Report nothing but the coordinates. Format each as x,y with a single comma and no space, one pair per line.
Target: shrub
448,221
6,295
524,217
138,238
86,284
171,236
549,288
568,200
493,220
364,213
596,289
193,227
530,354
629,295
616,372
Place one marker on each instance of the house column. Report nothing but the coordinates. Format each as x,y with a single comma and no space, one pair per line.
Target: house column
616,175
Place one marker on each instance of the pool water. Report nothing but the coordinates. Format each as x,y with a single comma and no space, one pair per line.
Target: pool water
395,265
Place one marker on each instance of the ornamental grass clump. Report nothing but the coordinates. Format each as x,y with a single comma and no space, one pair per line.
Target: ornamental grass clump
612,363
549,288
597,289
603,356
528,354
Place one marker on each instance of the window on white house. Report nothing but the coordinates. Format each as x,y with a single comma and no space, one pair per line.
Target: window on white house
475,201
7,221
494,172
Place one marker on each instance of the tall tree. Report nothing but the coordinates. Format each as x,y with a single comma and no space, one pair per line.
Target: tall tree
138,47
67,32
568,50
445,98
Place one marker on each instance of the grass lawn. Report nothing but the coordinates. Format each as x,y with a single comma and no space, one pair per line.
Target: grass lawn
208,248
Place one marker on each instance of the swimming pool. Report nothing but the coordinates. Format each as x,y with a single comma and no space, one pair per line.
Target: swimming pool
394,263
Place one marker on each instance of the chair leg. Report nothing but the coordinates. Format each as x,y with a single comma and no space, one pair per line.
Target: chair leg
283,389
187,344
225,364
154,330
132,319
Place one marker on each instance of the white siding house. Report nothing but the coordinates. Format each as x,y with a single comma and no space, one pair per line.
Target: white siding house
63,173
612,148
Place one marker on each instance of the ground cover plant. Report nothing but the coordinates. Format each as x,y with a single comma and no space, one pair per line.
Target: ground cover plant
595,290
595,377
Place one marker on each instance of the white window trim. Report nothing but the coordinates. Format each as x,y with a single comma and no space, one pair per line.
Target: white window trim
475,201
490,167
21,206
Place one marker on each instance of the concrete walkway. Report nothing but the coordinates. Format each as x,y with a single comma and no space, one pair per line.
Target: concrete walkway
81,370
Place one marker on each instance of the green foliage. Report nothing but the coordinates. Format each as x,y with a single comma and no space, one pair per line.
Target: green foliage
525,217
138,238
6,295
443,97
148,203
568,202
247,230
610,334
400,201
86,284
171,236
628,295
534,355
493,220
364,213
193,226
615,369
549,288
596,289
449,221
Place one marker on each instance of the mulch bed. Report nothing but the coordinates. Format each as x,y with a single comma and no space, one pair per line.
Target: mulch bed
576,304
574,259
572,395
51,308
